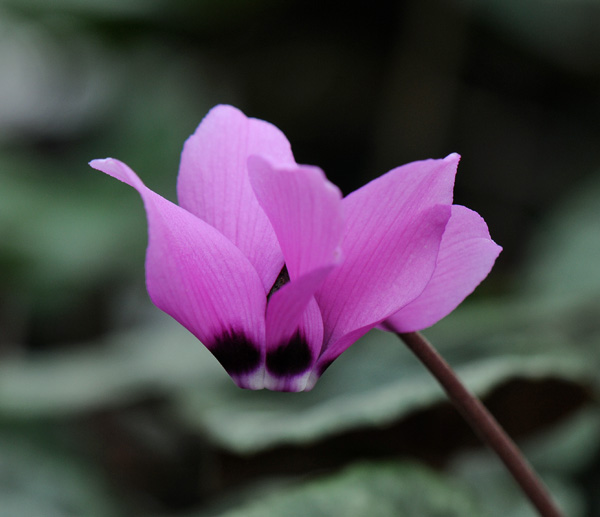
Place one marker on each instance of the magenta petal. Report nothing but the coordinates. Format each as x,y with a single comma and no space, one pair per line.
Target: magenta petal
201,279
306,213
305,210
290,357
394,229
294,332
375,292
466,256
285,307
213,182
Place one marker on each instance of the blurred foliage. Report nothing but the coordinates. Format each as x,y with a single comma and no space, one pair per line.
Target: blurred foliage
109,408
377,490
38,479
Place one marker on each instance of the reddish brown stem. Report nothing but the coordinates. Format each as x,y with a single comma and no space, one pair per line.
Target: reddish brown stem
484,424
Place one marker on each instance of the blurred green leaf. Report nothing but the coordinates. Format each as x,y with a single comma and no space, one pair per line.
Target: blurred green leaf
374,383
569,446
558,455
36,480
376,490
64,229
154,359
70,224
498,495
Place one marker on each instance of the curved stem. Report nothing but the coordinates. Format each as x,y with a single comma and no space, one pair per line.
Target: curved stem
483,423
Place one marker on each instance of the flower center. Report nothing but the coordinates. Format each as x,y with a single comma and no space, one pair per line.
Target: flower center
282,279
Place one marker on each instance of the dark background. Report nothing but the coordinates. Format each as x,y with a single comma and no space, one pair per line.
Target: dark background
513,86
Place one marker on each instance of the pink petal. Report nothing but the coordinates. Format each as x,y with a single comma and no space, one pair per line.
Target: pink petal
290,359
466,257
305,210
286,306
213,183
197,276
306,213
394,229
294,335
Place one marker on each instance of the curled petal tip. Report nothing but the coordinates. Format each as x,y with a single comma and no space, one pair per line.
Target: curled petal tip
118,170
452,157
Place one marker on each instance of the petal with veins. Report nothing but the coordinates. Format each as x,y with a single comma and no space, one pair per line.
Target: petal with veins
213,182
393,232
466,256
305,210
290,361
196,275
395,253
307,214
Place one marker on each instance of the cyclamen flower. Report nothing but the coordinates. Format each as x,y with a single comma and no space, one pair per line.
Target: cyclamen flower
277,274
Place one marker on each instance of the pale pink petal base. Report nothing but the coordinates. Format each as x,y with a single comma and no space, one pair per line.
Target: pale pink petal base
466,257
197,276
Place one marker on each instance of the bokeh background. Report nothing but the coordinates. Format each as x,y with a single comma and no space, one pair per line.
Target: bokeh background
108,408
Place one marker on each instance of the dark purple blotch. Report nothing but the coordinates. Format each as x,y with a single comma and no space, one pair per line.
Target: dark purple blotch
236,352
290,358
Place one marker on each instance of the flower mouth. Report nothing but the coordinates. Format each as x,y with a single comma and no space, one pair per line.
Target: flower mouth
282,279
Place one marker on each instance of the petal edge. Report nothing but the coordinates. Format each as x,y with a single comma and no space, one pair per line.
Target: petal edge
197,276
467,255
